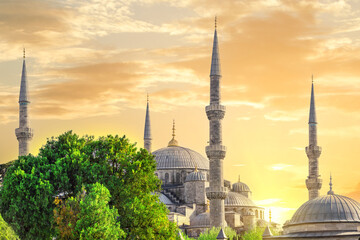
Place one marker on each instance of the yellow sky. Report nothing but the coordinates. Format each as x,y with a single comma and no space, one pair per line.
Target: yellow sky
90,64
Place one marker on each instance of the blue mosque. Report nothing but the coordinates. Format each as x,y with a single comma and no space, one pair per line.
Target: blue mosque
195,189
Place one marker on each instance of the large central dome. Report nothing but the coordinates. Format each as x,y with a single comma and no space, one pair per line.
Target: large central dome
329,208
176,157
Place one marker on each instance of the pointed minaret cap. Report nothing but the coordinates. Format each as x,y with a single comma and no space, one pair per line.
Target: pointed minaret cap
215,59
23,97
330,192
221,235
173,142
147,130
312,115
267,232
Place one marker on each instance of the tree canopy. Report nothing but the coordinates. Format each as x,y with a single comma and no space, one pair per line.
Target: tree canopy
68,162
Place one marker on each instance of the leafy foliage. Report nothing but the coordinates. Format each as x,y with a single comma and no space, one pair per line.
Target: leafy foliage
6,232
88,216
212,233
26,198
254,234
64,165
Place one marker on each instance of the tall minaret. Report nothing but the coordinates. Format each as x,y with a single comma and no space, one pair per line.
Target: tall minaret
215,112
24,133
147,130
313,151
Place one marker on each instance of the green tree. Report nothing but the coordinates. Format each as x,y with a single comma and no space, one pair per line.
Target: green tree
96,219
68,162
6,232
212,233
88,216
27,198
254,234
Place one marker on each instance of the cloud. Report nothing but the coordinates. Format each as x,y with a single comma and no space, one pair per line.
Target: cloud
279,167
346,131
283,116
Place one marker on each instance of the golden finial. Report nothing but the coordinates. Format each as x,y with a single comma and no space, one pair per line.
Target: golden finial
215,22
270,215
196,168
173,142
173,128
312,78
147,97
239,178
208,205
24,53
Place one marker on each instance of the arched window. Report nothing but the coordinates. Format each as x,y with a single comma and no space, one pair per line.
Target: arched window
166,178
178,176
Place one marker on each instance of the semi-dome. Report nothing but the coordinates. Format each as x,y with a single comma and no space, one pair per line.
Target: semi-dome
329,208
195,176
201,220
164,199
234,199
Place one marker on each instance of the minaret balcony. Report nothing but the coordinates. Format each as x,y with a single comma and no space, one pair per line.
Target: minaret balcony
22,133
216,193
313,183
313,151
215,151
215,111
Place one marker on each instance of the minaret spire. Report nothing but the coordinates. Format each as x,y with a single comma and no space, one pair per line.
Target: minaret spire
24,133
147,129
215,112
313,151
330,192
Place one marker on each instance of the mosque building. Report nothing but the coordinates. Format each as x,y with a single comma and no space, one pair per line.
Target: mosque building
322,217
192,183
196,191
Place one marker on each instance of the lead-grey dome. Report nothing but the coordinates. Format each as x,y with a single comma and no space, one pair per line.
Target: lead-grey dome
234,199
195,176
176,157
240,187
201,220
329,208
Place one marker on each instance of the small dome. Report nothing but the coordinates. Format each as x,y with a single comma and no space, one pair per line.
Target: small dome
195,176
240,187
329,208
201,220
235,199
